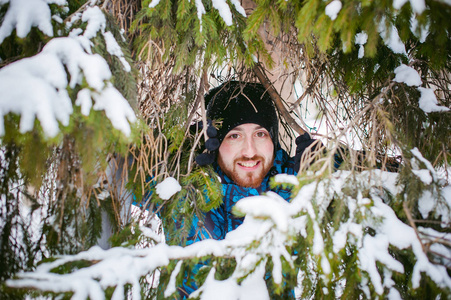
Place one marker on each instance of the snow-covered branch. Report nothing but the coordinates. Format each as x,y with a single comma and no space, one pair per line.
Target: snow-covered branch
120,266
37,87
269,231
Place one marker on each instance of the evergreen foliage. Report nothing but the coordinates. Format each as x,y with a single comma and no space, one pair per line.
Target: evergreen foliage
60,195
49,200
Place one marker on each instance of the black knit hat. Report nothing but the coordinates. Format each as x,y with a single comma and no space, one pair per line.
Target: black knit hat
237,103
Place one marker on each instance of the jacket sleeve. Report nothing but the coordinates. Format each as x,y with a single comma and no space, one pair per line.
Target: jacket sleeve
211,226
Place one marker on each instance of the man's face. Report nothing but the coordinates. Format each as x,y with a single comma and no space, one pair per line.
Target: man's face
246,154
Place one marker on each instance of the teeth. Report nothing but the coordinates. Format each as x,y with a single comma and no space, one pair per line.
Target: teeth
248,164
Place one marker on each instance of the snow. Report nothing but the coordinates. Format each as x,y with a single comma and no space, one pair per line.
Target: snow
333,8
116,108
375,249
430,235
407,75
439,204
444,207
428,101
200,11
418,6
432,173
267,231
114,49
252,287
154,3
167,188
425,205
35,87
238,7
84,101
171,285
391,38
420,32
80,64
96,21
218,289
360,39
285,178
152,230
121,266
341,235
220,5
269,206
24,14
224,11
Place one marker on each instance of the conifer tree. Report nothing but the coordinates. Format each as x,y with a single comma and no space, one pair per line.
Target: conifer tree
369,216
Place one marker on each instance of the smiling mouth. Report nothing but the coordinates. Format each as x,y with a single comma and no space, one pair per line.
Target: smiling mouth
248,164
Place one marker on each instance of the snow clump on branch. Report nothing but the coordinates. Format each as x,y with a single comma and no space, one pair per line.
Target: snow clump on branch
35,87
428,101
221,5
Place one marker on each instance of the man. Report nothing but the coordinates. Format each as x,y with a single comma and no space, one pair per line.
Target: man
245,153
249,152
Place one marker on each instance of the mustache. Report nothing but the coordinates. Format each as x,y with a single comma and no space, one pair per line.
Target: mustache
253,158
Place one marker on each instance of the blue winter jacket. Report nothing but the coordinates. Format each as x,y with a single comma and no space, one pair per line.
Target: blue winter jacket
218,222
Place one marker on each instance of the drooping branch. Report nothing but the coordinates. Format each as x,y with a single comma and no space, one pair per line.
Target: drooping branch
261,75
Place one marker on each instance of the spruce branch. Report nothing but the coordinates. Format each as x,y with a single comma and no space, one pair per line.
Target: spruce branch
443,224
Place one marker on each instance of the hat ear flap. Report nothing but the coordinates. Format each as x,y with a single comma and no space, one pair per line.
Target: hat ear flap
212,131
211,144
206,158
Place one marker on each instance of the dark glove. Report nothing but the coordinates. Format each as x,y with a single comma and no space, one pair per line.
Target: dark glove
303,142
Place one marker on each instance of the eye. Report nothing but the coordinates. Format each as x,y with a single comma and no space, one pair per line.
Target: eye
233,136
261,134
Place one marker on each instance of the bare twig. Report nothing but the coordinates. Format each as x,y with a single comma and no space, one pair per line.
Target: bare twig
309,89
412,223
259,72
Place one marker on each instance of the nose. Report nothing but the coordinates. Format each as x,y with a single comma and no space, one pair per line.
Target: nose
249,148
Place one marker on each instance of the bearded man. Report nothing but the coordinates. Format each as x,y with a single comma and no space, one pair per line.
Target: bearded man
244,149
249,152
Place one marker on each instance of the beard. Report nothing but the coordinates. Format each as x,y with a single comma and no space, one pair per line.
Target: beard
246,179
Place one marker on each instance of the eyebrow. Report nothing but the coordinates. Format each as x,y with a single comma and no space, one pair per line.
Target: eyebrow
240,129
